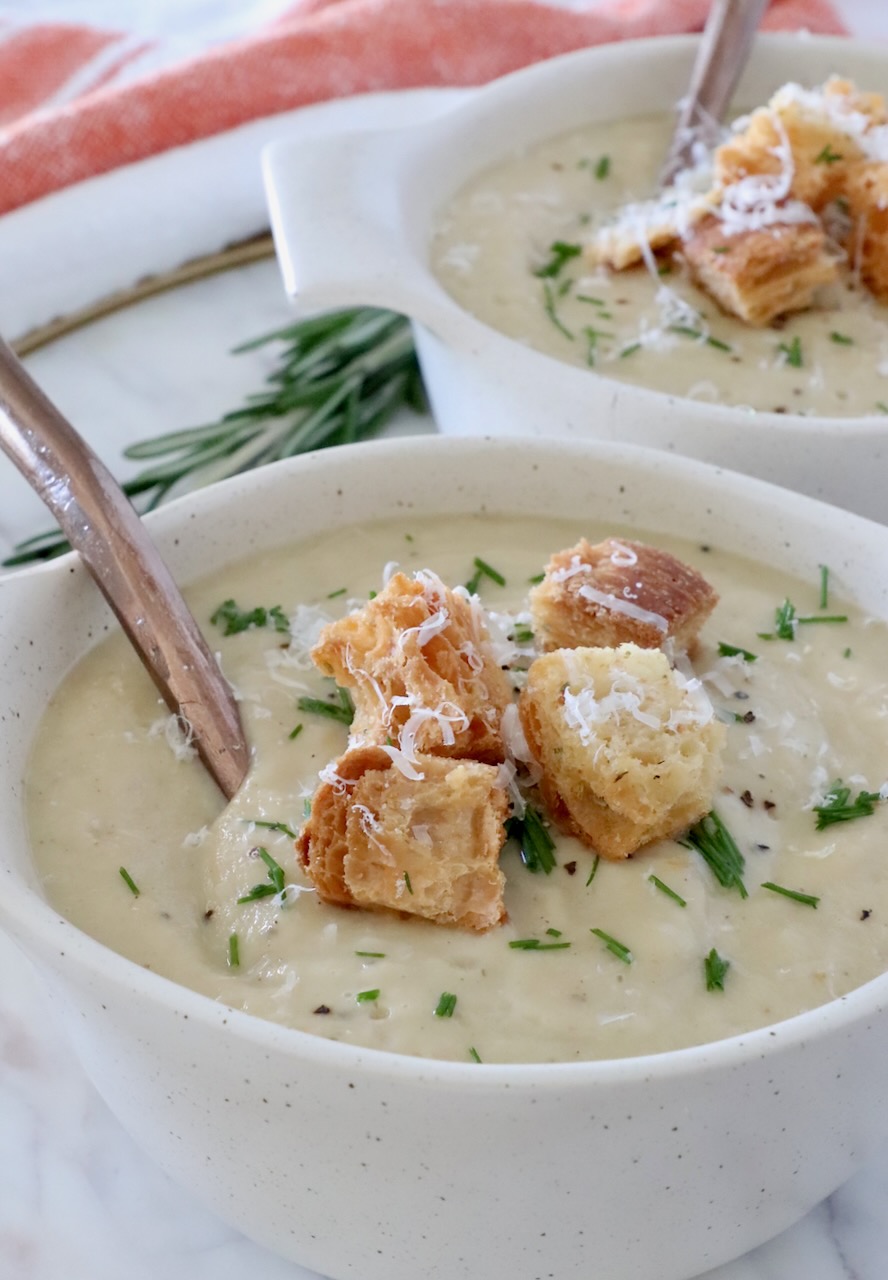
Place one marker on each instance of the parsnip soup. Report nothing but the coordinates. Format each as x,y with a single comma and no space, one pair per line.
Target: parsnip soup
508,249
596,959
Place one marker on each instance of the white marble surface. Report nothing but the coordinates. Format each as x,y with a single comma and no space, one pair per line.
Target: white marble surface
78,1201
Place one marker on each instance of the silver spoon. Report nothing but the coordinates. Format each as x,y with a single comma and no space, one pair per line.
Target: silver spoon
99,522
724,47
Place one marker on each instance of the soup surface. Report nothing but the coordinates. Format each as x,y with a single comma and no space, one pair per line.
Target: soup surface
112,786
659,331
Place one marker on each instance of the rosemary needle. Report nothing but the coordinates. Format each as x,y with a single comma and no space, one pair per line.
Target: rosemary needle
340,377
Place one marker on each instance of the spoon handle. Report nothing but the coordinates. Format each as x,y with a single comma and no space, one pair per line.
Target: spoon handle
724,47
100,522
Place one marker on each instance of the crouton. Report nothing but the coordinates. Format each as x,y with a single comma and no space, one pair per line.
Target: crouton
759,275
629,749
866,193
618,591
425,846
653,225
790,138
419,663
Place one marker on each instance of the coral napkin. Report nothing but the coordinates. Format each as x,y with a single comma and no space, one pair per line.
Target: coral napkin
78,100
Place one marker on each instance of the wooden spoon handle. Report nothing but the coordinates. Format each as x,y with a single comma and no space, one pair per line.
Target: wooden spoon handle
100,522
724,48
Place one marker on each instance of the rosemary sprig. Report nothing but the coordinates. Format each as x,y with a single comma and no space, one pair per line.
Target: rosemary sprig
340,377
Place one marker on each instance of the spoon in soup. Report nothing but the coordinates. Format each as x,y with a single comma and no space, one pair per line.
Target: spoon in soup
724,48
100,522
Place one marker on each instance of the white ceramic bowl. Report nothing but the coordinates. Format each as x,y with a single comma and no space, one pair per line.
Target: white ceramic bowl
353,214
359,1163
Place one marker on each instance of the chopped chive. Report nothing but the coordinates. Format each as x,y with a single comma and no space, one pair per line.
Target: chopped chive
522,634
882,406
306,807
807,899
407,883
488,571
685,330
232,619
630,350
734,651
536,846
602,169
824,586
670,893
718,849
272,826
372,955
539,577
233,952
340,591
129,882
295,731
585,297
364,997
842,339
793,352
549,308
846,653
827,156
785,621
445,1005
275,885
839,807
560,252
823,617
343,711
473,1054
554,933
715,968
534,944
616,948
595,862
721,248
718,344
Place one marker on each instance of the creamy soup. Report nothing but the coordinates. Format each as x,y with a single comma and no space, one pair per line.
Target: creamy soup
112,785
657,331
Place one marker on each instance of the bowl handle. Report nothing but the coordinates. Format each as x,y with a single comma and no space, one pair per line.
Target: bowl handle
342,213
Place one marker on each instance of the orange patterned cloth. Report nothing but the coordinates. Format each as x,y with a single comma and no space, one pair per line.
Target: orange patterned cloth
76,100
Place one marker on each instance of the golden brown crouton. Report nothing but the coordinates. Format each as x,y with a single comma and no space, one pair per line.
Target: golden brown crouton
818,154
418,655
656,224
629,748
759,275
866,192
428,847
619,591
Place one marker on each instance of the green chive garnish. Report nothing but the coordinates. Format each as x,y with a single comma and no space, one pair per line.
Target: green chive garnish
718,849
839,807
364,997
602,169
560,252
536,846
129,882
445,1005
664,888
618,949
807,899
343,710
842,339
233,952
595,862
295,732
793,352
372,955
534,944
473,1054
734,651
715,968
